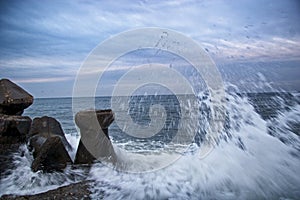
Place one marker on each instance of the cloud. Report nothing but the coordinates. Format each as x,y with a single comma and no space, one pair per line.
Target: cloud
275,48
30,62
52,38
41,69
42,80
57,27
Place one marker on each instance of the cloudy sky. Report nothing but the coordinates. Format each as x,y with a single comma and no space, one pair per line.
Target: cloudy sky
44,43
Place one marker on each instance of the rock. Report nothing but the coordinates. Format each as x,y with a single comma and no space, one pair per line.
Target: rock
13,131
6,160
48,143
104,117
94,143
83,156
73,191
13,99
51,156
35,144
45,127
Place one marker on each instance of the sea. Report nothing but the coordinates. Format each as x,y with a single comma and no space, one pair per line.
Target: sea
254,155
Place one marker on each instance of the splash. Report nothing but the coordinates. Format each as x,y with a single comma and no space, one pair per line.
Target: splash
254,158
21,180
247,163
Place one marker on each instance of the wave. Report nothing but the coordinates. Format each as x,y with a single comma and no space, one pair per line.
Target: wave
254,158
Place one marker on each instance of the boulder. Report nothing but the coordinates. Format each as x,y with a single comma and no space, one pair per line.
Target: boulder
13,99
13,131
80,190
48,143
52,156
35,144
94,143
104,117
43,128
83,156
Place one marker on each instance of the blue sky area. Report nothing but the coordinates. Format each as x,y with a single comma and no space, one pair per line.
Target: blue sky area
43,43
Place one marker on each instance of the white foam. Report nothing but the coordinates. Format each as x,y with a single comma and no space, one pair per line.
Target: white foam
73,141
22,180
263,168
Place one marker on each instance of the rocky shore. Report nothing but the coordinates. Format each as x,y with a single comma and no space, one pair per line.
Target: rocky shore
46,141
70,192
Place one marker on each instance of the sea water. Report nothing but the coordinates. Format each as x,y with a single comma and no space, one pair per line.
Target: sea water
256,156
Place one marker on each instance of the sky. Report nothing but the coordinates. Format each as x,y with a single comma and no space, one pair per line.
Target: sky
44,43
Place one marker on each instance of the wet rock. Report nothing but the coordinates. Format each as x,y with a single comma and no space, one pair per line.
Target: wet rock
13,131
51,156
48,143
83,156
35,144
13,99
94,143
43,128
6,161
73,191
13,128
84,120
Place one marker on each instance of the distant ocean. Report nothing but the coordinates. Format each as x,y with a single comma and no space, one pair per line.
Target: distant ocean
256,156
